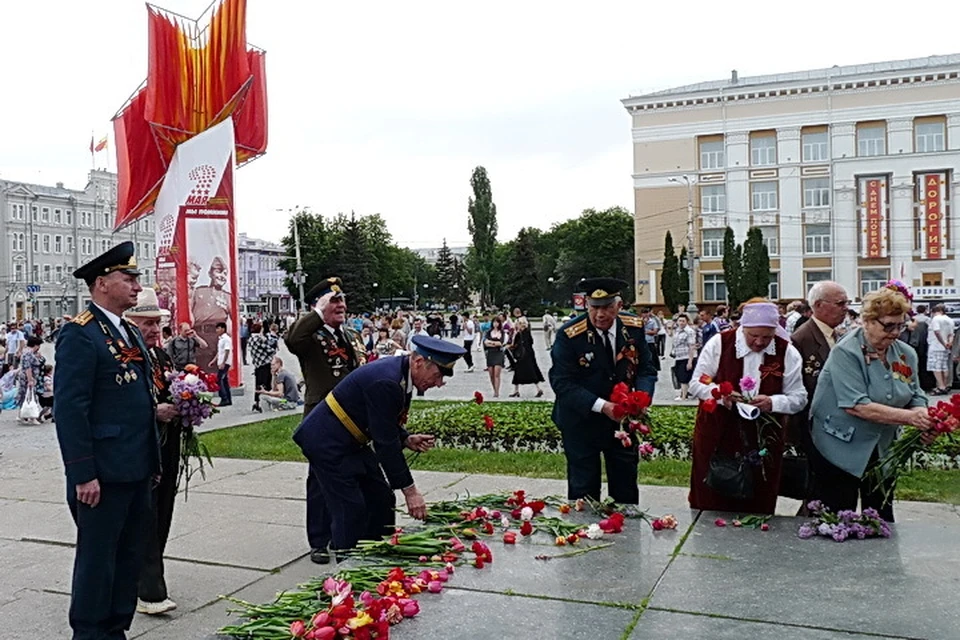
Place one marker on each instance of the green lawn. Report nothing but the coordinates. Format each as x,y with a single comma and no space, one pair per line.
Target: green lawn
271,440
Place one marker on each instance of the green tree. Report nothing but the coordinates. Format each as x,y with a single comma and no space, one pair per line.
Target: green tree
684,298
446,277
318,248
733,274
597,243
461,289
670,275
482,225
522,287
756,266
355,266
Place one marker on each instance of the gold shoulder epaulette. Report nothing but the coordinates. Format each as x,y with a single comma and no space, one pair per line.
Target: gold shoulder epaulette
631,320
83,318
576,328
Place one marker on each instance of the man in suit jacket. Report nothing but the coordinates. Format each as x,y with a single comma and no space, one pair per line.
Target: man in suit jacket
106,426
814,340
328,350
370,406
592,353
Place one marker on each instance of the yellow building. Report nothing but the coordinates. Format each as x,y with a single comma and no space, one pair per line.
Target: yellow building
850,172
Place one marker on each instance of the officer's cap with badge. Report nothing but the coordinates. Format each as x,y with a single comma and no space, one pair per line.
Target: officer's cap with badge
600,292
119,258
440,352
333,285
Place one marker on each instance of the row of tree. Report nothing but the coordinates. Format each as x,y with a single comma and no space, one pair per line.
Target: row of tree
533,270
746,270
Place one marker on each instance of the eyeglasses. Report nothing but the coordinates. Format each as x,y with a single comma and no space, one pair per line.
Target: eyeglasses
891,327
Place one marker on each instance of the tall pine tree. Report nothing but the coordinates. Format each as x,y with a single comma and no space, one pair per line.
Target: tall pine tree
354,264
732,268
523,287
755,281
446,277
670,275
482,224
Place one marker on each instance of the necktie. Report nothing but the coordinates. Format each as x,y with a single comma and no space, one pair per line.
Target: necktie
606,347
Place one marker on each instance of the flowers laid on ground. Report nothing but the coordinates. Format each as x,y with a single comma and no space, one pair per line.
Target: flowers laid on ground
843,525
192,392
945,419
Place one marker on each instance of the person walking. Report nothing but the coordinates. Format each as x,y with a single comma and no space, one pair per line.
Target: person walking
684,355
103,371
222,363
493,344
262,352
549,328
525,367
328,351
31,375
939,348
469,333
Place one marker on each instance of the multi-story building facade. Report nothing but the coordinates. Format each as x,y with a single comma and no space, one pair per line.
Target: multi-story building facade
851,173
430,255
48,231
261,278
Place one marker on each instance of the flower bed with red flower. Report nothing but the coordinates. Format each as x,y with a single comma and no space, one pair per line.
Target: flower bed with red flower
192,393
363,601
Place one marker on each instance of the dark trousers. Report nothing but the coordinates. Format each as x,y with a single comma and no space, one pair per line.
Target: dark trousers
243,350
360,502
839,490
153,586
318,517
109,555
661,342
583,446
468,356
262,379
224,382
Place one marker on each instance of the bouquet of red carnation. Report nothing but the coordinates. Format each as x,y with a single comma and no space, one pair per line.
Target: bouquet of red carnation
945,416
630,408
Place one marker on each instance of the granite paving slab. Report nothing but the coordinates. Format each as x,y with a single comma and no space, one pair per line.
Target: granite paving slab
456,613
671,624
264,546
48,521
226,467
36,566
278,480
35,614
901,586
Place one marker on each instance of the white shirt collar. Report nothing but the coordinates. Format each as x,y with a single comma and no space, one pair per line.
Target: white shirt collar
330,329
743,349
113,318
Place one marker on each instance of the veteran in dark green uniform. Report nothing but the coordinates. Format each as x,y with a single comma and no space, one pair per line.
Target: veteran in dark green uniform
328,350
106,426
591,354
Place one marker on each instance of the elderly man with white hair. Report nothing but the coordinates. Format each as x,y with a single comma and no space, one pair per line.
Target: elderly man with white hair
814,340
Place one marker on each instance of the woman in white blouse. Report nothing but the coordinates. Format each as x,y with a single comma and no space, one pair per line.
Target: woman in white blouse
737,455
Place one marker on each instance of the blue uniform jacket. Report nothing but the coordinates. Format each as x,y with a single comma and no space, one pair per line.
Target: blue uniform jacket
581,372
376,396
106,409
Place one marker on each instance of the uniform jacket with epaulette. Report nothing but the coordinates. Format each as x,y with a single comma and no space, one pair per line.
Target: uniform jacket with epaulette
105,400
581,372
323,363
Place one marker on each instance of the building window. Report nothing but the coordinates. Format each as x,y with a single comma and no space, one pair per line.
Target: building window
930,136
58,273
36,242
68,217
816,239
45,215
46,243
813,277
816,193
714,288
57,216
815,144
711,154
70,241
712,243
713,198
763,196
771,240
18,271
58,244
773,289
34,214
47,272
872,139
104,246
86,246
873,280
763,149
36,274
17,212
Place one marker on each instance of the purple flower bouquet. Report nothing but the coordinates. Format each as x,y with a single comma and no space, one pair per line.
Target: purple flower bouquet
843,525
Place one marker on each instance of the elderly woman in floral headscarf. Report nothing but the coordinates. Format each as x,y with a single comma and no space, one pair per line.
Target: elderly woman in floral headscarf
746,380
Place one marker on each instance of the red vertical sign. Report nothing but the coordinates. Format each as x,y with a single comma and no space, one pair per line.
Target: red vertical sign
874,219
933,215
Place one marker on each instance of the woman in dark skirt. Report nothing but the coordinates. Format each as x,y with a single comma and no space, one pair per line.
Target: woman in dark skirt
525,368
493,343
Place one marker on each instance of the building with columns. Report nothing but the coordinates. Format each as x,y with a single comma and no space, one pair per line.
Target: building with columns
261,279
850,172
48,231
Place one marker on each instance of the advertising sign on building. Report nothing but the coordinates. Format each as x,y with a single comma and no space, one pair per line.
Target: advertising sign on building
873,217
932,223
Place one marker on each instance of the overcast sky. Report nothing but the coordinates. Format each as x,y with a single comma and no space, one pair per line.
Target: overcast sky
386,107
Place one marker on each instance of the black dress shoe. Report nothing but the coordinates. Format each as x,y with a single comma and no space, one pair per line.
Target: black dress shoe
320,556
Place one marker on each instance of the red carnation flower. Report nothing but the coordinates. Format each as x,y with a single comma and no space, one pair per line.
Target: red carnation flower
478,397
488,422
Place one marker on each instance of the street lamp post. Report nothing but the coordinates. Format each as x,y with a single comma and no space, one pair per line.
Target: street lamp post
692,278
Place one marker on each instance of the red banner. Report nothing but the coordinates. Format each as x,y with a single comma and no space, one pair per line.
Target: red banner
933,215
874,220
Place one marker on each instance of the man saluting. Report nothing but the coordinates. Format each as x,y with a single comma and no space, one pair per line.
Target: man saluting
358,430
593,353
106,425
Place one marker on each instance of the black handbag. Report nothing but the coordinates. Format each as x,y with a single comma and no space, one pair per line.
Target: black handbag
794,476
730,476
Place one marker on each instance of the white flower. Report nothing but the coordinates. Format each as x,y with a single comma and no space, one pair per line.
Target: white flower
526,513
594,532
191,378
505,522
825,529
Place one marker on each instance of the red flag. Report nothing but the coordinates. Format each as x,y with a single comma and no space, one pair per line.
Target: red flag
101,145
91,144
